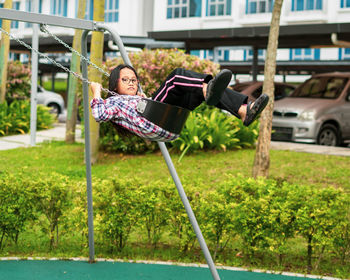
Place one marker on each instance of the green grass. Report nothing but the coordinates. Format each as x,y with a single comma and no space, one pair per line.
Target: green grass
207,167
60,85
211,167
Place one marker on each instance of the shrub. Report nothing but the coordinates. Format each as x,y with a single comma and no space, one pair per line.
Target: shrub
118,206
53,197
16,206
179,224
317,219
18,81
154,211
15,117
216,217
209,128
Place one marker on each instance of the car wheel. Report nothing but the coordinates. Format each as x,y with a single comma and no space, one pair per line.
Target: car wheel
54,109
328,136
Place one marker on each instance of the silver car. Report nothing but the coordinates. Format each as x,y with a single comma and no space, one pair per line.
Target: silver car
50,99
318,111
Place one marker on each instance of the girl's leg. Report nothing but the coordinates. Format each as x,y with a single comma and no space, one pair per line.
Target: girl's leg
182,88
232,101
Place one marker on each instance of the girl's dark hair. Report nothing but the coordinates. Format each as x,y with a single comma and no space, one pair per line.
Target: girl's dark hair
115,75
112,86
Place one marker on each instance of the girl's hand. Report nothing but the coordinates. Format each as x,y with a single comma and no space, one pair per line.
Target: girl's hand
141,94
96,89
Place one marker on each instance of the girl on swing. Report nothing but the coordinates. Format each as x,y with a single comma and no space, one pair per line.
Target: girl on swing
182,88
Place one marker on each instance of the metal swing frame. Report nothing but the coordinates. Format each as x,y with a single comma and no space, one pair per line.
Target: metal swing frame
88,26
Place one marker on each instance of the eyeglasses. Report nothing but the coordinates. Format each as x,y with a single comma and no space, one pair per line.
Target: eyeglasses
127,81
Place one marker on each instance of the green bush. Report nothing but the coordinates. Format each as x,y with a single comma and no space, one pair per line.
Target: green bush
52,198
179,225
118,207
15,117
209,128
18,81
260,219
154,211
16,206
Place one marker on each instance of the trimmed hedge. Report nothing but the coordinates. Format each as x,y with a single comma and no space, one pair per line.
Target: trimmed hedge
252,217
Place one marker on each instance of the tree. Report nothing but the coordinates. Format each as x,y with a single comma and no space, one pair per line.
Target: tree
73,83
262,155
4,52
96,51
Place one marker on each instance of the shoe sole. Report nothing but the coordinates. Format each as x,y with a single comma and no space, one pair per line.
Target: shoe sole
223,80
261,105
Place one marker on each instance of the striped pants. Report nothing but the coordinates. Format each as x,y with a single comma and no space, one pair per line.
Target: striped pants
184,88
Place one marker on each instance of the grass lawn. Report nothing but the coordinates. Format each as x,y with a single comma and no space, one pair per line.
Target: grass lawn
209,168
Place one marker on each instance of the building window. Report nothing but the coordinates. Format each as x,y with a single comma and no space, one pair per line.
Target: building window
345,4
59,7
28,9
15,6
306,5
184,8
218,7
248,54
344,53
111,10
258,6
223,54
89,14
304,54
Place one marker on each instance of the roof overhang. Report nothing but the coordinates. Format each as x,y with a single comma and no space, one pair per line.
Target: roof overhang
290,36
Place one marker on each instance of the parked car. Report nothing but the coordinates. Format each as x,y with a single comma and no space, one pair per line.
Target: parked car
318,111
50,99
254,89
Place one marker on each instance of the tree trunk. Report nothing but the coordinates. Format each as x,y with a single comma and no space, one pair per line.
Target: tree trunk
4,53
94,75
75,67
262,155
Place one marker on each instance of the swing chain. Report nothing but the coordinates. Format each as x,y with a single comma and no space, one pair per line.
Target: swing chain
78,76
43,28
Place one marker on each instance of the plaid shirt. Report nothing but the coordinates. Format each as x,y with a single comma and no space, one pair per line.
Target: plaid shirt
121,110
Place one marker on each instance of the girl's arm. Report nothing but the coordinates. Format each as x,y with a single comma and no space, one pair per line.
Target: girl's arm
102,110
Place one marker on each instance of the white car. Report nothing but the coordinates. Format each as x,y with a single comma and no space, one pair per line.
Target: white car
50,99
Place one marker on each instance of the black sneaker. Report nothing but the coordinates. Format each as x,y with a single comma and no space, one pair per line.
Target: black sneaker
217,86
254,112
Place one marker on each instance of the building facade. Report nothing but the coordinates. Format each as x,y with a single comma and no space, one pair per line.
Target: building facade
137,17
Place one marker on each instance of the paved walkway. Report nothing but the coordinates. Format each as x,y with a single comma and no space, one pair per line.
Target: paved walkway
59,130
57,133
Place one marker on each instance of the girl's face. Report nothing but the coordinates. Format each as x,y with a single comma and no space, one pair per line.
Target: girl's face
127,83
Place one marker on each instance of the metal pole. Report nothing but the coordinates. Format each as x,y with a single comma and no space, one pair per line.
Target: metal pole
189,211
87,148
47,19
172,171
34,86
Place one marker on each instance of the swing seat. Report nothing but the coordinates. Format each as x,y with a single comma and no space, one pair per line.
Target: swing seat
169,117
